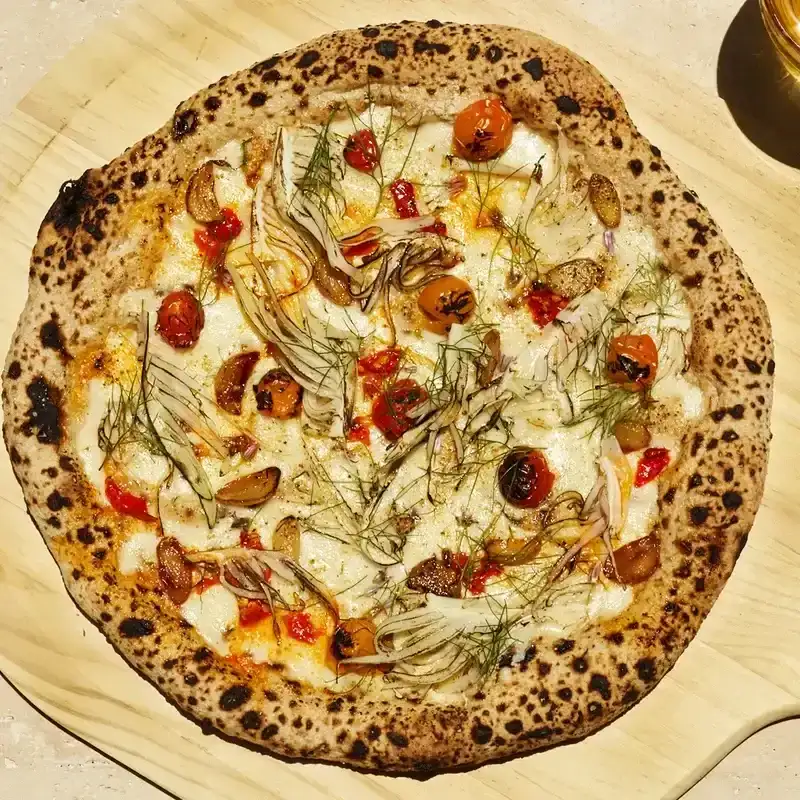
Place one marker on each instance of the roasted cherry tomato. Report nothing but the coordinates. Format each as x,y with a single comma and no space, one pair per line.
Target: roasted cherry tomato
251,540
180,319
481,576
278,395
635,562
382,362
525,478
653,462
544,305
359,430
446,301
391,408
126,503
632,361
405,198
253,612
213,237
437,227
300,626
361,151
483,130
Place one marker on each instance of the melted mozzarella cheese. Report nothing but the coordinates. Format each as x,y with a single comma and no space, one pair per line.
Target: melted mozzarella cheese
212,614
137,552
85,433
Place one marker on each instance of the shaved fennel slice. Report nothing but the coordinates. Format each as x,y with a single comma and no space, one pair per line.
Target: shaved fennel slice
319,357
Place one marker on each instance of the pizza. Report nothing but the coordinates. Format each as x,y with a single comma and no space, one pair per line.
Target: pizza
395,404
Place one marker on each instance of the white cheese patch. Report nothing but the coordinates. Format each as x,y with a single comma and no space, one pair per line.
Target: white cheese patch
85,431
212,614
137,552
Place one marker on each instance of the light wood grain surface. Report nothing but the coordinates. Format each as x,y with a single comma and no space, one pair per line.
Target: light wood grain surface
740,673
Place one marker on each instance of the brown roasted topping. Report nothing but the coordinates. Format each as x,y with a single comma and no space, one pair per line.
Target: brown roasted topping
513,552
256,153
574,278
243,444
278,395
605,200
635,561
437,576
201,199
231,379
632,436
491,358
332,282
354,638
286,537
251,490
174,570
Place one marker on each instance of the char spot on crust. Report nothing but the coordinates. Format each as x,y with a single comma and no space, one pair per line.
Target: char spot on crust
397,739
580,664
698,514
234,697
184,124
636,167
493,53
567,105
599,683
269,731
752,366
424,46
14,370
212,103
251,720
51,337
135,628
257,99
308,58
371,32
201,654
481,734
564,646
139,178
514,727
472,52
374,72
646,669
387,49
607,113
359,750
534,67
73,198
731,500
56,501
44,416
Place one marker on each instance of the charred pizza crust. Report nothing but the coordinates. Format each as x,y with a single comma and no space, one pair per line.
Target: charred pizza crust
562,690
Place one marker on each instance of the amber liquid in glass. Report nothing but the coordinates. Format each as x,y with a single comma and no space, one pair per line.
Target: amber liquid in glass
782,21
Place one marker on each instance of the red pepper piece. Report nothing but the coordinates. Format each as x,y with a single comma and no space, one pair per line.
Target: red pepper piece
652,463
405,199
359,430
299,626
126,503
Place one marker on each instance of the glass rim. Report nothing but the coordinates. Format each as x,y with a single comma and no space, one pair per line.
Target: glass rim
776,19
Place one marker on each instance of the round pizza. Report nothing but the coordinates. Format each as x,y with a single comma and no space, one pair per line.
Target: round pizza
395,403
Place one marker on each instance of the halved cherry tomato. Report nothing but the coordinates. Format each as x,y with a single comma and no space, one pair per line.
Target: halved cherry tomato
390,409
278,395
372,385
299,626
445,302
253,612
480,577
359,430
653,462
632,361
483,130
213,236
251,540
437,227
544,305
180,319
207,582
127,503
382,362
405,198
525,478
361,151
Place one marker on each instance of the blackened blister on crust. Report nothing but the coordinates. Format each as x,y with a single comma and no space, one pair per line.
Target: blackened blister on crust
73,199
44,415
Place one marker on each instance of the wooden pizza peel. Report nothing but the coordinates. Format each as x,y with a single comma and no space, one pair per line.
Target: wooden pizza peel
742,671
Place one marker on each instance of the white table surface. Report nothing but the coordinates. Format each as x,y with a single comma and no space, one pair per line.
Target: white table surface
39,761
